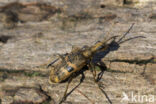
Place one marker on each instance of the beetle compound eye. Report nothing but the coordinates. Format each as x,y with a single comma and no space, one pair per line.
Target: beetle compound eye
69,68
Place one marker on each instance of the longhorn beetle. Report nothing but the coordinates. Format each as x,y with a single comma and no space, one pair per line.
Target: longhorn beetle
75,60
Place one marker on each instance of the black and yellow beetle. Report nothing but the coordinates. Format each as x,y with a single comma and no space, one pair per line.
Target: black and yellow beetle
75,61
64,67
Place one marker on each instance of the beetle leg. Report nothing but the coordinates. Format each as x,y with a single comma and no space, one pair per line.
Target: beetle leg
92,68
59,56
51,63
69,81
65,93
93,71
47,64
102,67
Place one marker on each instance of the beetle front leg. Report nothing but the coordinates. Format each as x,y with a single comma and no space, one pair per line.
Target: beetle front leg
52,61
49,63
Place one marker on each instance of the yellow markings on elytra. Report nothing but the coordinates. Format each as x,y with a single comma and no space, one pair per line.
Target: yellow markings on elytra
56,79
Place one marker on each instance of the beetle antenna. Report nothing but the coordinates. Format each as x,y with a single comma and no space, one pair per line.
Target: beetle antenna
126,33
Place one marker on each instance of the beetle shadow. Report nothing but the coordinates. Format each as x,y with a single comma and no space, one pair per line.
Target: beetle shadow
113,46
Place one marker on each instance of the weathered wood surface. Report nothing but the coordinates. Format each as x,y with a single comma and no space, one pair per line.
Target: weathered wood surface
24,48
